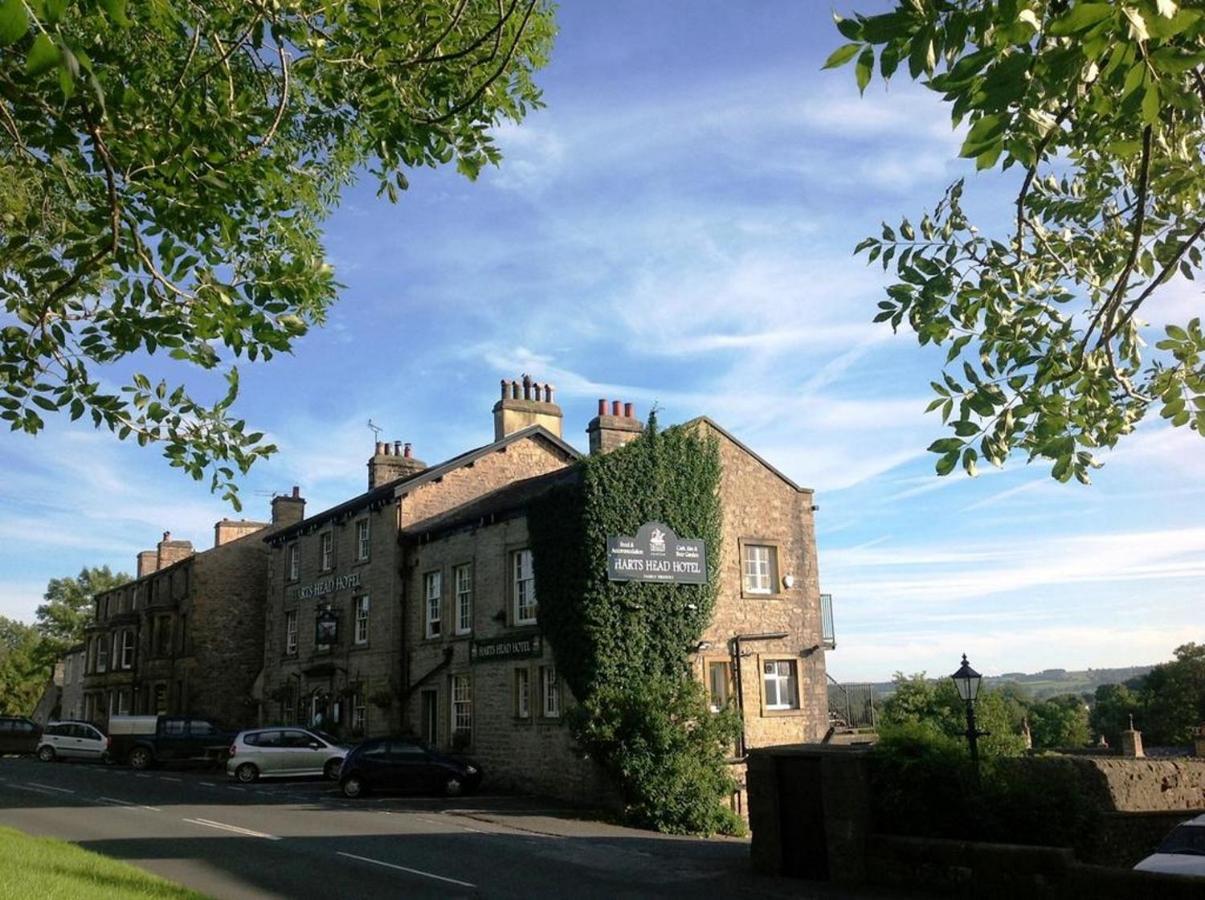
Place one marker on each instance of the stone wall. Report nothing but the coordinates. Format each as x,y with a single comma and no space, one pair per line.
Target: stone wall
1150,785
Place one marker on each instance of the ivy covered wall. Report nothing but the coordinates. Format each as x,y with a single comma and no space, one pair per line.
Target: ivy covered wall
623,647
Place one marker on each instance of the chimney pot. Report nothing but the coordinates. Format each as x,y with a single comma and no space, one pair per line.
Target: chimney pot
505,388
406,451
526,386
548,393
397,448
628,411
602,407
167,535
514,390
615,411
296,492
537,390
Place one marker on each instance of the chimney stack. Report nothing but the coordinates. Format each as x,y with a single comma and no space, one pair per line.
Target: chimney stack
288,509
148,562
228,530
170,552
525,403
391,462
606,432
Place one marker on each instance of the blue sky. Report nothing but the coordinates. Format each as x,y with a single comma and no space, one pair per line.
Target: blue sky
676,227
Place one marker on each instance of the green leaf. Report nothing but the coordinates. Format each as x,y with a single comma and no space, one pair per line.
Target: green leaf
1081,17
864,69
945,445
43,56
116,10
841,56
1150,103
946,464
14,21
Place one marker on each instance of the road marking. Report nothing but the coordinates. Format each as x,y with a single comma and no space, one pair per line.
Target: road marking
166,778
232,787
233,828
208,784
142,776
389,865
126,804
32,790
49,788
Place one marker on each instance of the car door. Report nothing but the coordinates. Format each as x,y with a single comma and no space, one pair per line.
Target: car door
91,744
409,767
295,753
7,736
171,741
66,740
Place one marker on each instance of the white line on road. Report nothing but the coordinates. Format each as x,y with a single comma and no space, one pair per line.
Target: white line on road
49,788
142,776
126,804
208,784
388,865
232,787
166,778
234,828
32,790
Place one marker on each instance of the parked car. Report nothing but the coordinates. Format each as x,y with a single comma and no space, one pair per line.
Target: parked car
73,740
19,734
143,741
405,764
283,751
1182,851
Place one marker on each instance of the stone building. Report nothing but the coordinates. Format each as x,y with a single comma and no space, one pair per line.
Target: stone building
186,635
71,704
413,606
335,647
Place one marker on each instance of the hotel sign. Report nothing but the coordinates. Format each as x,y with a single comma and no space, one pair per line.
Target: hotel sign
506,648
330,585
656,554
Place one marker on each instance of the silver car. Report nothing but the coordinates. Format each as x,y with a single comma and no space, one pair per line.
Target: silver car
283,751
72,740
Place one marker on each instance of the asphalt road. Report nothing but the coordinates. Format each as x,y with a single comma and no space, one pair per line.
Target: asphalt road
303,839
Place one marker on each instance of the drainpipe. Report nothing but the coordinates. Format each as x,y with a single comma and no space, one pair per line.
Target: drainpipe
734,649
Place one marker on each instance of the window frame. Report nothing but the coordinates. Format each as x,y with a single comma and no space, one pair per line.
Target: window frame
461,703
127,648
326,550
363,538
550,689
361,604
293,562
521,689
516,571
291,617
433,625
729,685
774,553
791,680
462,599
102,654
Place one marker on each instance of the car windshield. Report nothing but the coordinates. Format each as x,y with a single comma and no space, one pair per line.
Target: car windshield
1187,839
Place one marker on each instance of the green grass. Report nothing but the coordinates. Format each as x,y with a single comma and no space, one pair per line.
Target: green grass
49,869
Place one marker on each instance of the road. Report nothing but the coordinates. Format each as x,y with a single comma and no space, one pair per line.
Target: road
303,840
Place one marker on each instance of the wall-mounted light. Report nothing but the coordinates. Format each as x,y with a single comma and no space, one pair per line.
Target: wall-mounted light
788,581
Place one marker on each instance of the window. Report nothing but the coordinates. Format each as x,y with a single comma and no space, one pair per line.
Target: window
523,693
432,589
362,539
719,682
201,728
294,562
291,633
183,633
462,704
462,578
550,689
359,712
164,627
123,702
361,631
759,568
127,649
781,691
326,550
524,589
102,653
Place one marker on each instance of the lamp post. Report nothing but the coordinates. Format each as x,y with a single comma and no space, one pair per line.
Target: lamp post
967,681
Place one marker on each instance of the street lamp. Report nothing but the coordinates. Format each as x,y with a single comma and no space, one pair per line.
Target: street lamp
967,681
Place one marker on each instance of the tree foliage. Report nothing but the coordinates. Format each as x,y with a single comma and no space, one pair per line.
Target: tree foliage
61,619
1166,704
1059,722
165,169
920,705
23,672
623,647
1099,107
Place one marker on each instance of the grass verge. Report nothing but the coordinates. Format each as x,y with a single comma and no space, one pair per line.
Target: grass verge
50,869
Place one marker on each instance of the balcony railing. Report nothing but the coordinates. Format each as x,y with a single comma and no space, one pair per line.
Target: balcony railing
828,637
852,705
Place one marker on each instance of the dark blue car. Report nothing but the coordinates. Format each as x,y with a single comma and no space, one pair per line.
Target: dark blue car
408,765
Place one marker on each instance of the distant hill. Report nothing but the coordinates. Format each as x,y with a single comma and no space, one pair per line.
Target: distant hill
1048,682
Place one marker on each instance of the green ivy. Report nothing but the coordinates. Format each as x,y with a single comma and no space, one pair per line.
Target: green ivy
623,647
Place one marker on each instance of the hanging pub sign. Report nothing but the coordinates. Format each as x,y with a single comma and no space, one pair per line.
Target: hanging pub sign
656,554
326,627
506,648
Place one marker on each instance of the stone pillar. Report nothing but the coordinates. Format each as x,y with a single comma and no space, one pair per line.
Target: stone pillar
1131,742
1198,740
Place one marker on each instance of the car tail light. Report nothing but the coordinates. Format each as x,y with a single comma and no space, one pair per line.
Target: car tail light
108,743
233,748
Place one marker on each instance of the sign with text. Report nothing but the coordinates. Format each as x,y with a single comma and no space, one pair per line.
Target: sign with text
656,554
328,586
326,627
506,648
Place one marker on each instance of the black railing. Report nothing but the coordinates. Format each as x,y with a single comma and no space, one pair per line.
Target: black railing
851,705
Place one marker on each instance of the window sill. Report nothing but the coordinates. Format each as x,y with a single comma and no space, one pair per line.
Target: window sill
782,713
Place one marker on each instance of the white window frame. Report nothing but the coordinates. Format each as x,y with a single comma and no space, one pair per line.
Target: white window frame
462,704
433,603
102,653
359,712
363,539
523,693
783,683
523,587
757,568
291,632
715,702
294,561
127,649
363,606
462,582
550,692
326,550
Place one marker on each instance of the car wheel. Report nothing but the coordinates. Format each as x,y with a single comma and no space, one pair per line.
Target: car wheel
46,753
331,770
140,758
354,786
454,787
246,773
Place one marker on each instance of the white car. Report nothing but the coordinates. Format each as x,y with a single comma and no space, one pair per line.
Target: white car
284,751
72,740
1182,851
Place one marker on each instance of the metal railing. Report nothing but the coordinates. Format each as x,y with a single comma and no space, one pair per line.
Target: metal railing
851,705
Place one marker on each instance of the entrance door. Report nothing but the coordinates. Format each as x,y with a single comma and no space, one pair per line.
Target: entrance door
430,717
